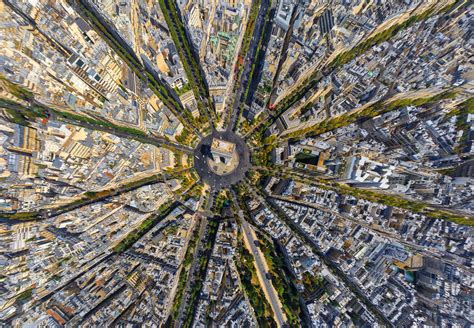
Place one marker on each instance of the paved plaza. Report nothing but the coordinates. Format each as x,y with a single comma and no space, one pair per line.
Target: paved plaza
220,175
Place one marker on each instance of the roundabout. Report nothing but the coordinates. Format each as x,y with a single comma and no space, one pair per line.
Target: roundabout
221,159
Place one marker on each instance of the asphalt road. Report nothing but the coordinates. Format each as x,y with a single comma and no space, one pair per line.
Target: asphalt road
267,285
201,155
248,65
191,273
423,250
114,38
101,124
343,276
259,60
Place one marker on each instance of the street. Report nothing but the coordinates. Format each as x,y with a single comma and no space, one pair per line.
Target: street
261,266
265,283
248,66
201,155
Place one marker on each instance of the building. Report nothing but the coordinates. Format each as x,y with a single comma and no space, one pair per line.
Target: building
222,150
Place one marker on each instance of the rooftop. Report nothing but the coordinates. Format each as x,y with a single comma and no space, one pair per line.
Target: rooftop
222,146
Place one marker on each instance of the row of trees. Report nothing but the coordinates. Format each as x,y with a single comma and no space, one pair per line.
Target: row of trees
183,275
378,108
250,284
192,68
345,57
205,254
162,91
133,236
281,277
244,48
418,207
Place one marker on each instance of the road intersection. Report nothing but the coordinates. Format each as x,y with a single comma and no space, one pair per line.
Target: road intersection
202,154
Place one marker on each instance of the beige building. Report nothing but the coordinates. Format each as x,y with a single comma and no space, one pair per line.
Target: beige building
222,151
161,63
